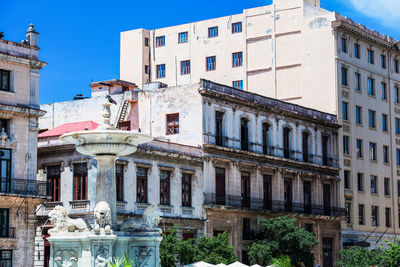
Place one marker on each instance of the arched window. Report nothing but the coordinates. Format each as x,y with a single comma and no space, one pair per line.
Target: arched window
266,143
244,134
286,142
306,138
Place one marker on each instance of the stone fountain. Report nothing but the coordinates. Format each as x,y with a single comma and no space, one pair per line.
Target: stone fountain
74,242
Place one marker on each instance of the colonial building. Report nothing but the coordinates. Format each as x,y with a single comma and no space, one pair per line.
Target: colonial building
160,173
20,193
262,158
299,52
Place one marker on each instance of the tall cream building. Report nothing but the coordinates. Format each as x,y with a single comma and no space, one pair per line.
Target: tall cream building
296,51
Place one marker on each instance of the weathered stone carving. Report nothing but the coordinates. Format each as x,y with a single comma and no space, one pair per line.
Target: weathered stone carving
5,140
63,223
101,255
102,215
148,222
141,255
66,258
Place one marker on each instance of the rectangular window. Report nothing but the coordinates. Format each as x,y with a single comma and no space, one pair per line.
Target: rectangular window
384,91
396,65
348,212
172,123
344,45
360,182
183,37
359,146
383,61
141,185
146,69
345,111
387,186
307,197
371,86
213,32
237,59
374,216
346,149
220,186
237,27
160,71
388,222
370,56
267,191
371,119
397,157
372,151
146,41
4,222
356,50
344,76
5,80
361,214
185,67
211,63
238,84
398,188
53,174
397,125
160,41
385,154
80,181
347,179
357,81
374,184
358,115
246,189
6,258
4,125
186,190
5,170
397,95
384,123
165,187
119,181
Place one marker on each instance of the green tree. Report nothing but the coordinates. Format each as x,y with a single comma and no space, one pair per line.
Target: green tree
214,249
168,248
359,257
391,256
282,237
186,251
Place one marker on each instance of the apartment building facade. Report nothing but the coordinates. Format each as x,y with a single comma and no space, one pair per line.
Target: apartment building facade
262,158
301,53
20,192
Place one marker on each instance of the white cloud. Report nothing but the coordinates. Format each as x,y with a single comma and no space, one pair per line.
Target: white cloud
385,11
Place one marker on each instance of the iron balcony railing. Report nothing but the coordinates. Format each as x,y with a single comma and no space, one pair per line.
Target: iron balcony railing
272,151
23,187
7,232
277,206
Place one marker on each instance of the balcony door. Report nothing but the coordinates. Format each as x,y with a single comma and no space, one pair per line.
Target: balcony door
286,142
267,182
53,179
246,189
327,199
220,186
288,195
5,170
325,149
4,222
218,128
307,196
244,134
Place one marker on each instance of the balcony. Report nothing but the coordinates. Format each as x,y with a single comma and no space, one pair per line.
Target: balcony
274,151
8,232
276,206
25,187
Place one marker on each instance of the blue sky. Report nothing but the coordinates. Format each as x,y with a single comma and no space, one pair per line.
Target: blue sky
80,39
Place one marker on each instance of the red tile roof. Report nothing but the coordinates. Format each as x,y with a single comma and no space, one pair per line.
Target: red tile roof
69,127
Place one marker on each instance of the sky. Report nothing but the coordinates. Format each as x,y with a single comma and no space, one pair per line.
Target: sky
80,39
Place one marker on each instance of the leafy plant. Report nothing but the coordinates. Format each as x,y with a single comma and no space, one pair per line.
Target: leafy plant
215,250
125,261
282,261
358,257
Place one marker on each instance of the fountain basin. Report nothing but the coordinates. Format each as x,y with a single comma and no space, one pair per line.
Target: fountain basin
106,142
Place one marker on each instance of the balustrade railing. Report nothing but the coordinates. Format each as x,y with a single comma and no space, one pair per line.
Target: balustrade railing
23,187
273,206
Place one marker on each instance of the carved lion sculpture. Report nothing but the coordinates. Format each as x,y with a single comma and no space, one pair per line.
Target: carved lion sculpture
63,223
102,216
148,222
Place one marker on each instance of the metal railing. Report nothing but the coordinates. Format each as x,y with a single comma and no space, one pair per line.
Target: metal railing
8,232
277,206
23,187
271,150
